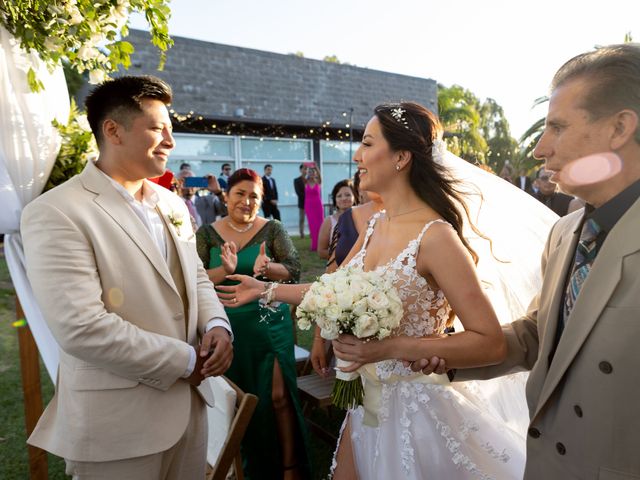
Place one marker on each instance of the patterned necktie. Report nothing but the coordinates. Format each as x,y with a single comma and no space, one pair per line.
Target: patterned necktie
585,255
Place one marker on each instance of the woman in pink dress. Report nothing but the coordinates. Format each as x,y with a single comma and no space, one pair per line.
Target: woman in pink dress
313,204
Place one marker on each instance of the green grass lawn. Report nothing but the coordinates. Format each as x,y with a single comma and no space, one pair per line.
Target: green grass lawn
13,452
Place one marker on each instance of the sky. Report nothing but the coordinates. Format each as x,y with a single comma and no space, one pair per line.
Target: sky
505,50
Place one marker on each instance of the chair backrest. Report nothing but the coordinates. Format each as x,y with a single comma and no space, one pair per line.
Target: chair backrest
230,451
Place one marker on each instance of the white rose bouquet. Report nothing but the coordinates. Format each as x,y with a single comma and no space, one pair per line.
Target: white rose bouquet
363,304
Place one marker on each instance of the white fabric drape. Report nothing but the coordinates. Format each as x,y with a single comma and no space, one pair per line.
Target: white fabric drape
29,145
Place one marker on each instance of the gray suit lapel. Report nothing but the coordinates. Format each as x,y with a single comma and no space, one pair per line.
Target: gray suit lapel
594,296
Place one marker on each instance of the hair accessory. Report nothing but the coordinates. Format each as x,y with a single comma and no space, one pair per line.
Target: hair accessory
398,114
438,151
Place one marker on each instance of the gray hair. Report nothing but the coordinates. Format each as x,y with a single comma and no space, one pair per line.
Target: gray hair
613,76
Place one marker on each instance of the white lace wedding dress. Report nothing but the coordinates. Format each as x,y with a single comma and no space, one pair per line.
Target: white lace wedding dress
440,430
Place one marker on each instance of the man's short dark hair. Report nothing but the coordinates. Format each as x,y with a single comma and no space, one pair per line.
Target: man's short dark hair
268,165
225,165
121,98
184,165
302,165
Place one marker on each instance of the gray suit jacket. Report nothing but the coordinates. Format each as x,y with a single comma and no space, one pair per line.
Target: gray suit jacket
584,398
209,208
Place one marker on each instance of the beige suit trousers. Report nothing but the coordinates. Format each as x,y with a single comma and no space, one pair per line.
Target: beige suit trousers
185,460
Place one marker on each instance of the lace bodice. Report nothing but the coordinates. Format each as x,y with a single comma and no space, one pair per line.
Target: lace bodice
425,310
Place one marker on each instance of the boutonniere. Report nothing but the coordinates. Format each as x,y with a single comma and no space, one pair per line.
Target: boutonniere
176,219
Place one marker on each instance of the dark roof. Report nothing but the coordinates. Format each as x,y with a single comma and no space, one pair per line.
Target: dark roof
223,82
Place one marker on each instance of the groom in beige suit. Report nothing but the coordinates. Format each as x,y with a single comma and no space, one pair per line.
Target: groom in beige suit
113,264
581,336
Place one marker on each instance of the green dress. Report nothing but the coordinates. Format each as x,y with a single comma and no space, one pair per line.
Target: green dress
260,336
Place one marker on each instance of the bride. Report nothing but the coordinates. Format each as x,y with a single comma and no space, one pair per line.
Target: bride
424,426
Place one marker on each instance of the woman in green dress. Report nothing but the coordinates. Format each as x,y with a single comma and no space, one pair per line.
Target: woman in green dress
275,445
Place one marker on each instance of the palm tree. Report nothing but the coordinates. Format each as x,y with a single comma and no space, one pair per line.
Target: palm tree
460,117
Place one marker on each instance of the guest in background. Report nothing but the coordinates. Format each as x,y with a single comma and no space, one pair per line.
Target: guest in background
523,182
298,185
224,176
275,445
185,171
165,180
549,195
211,206
313,207
507,172
188,195
343,197
270,200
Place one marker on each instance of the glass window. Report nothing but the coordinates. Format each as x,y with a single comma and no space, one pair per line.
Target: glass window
271,149
212,147
205,153
333,151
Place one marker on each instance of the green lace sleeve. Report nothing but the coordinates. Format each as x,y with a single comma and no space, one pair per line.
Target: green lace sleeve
283,251
204,241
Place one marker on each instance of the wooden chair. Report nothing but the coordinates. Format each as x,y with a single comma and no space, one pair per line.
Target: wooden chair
230,452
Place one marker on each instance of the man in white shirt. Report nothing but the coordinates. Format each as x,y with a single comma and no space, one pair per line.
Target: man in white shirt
121,286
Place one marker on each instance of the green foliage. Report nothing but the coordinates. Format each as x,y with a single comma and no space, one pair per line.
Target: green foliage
502,147
78,145
331,59
74,79
476,131
459,111
89,34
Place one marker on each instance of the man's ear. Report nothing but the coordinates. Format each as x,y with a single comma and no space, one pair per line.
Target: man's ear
625,124
111,131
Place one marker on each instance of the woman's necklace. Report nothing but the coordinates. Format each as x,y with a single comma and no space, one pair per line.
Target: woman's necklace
240,229
389,217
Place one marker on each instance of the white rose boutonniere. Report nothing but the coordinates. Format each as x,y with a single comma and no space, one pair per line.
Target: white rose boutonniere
177,220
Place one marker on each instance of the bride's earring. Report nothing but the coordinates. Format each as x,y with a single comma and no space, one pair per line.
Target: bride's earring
397,168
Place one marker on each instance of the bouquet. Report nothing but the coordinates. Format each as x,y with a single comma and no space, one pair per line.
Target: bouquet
364,304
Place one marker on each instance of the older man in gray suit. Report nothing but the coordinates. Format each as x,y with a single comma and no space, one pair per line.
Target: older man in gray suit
581,334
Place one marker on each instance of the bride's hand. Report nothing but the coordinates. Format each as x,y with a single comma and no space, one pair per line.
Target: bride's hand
248,290
352,349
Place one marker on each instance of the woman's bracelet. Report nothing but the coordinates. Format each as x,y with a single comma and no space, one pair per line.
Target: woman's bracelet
269,293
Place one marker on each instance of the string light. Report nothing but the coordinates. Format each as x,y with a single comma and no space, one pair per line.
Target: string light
195,123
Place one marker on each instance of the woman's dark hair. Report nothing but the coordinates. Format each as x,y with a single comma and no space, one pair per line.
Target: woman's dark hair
243,174
411,127
356,185
338,186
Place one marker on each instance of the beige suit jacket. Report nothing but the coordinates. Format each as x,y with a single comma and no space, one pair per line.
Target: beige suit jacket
584,399
112,304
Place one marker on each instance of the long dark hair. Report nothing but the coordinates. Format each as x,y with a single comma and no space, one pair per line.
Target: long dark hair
411,127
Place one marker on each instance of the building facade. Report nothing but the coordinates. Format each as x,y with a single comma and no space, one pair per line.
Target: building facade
250,108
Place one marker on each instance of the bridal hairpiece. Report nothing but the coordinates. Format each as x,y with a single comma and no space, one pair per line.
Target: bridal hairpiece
438,151
398,114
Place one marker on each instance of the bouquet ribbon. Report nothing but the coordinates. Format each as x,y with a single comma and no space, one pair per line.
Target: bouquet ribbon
373,389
